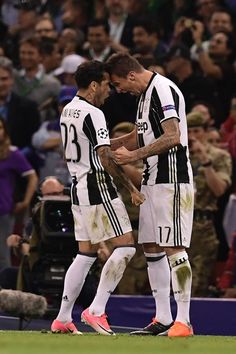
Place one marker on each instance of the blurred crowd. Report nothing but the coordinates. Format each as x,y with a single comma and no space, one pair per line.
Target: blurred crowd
191,42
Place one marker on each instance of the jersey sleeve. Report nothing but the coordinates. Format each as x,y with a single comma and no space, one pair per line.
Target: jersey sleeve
95,129
165,102
21,165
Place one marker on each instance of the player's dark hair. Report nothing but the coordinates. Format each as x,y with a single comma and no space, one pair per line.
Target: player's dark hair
121,64
88,72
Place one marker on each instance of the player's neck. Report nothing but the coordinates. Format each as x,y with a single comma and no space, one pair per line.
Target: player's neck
145,78
87,95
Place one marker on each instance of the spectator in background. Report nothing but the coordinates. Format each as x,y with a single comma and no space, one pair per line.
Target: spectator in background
66,70
21,114
216,64
47,141
75,13
214,137
12,164
31,81
27,17
70,41
137,8
212,176
9,13
207,111
120,25
99,47
220,20
51,57
194,85
147,41
228,131
205,8
45,28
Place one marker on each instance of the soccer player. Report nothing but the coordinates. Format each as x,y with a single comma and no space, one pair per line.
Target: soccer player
165,222
99,214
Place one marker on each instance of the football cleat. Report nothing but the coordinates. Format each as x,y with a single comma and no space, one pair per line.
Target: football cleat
60,327
180,329
155,328
98,323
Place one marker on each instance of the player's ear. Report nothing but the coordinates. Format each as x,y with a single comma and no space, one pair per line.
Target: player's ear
131,76
94,85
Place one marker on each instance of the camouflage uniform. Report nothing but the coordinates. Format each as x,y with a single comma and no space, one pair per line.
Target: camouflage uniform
204,244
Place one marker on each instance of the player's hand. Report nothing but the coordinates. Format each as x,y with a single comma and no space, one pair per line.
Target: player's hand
122,156
137,198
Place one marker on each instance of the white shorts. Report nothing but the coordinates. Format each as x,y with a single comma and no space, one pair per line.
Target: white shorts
166,216
101,222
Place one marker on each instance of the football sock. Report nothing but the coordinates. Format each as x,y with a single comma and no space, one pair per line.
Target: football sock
159,278
181,284
111,274
73,283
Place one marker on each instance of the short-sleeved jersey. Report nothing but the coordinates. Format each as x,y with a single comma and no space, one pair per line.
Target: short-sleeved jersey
162,100
84,129
11,167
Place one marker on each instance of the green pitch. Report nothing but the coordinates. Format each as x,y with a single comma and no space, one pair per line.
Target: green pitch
16,342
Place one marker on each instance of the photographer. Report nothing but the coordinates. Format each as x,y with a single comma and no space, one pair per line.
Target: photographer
212,176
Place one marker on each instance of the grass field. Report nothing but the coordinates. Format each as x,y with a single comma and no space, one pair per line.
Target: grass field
16,342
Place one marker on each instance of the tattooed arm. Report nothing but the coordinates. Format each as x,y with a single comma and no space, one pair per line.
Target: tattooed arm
127,140
169,139
114,170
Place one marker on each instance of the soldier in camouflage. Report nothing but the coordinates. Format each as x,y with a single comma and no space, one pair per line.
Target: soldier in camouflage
212,169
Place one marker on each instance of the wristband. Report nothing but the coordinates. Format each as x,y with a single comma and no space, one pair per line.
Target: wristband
207,164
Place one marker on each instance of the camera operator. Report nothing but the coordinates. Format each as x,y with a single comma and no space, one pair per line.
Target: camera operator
21,245
212,176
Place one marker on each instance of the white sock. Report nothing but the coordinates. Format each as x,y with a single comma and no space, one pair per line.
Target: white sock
181,284
112,273
159,279
73,283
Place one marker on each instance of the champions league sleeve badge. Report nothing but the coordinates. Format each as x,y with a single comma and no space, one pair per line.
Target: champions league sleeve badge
102,133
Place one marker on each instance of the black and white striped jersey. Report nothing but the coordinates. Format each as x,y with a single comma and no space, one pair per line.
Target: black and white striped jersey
163,100
83,129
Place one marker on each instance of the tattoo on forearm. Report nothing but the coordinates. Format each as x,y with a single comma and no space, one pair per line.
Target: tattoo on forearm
115,170
161,145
